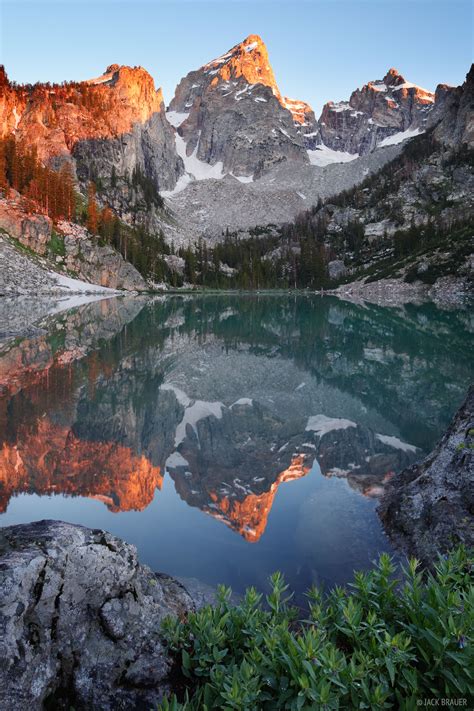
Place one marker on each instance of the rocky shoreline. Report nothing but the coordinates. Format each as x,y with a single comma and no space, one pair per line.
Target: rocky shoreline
445,292
428,507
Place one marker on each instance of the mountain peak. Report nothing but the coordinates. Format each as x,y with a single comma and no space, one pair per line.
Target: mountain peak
393,77
248,60
253,39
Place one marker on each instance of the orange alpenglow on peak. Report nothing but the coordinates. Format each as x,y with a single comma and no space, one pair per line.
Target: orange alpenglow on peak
250,516
54,117
52,460
396,81
247,59
393,76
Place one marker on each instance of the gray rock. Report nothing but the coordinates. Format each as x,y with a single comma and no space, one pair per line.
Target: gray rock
453,113
375,112
336,269
100,264
149,146
429,507
80,620
232,112
31,270
208,207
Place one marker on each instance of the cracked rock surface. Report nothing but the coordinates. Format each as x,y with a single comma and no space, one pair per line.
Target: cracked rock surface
80,620
429,506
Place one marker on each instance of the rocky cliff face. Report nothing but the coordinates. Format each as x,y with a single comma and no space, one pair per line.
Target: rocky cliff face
116,120
231,114
75,253
454,113
232,460
379,110
81,621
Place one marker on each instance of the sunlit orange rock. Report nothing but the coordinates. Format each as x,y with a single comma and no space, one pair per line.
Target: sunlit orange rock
52,460
54,117
249,517
249,59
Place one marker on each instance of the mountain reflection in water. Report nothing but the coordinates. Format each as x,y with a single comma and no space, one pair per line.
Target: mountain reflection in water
232,397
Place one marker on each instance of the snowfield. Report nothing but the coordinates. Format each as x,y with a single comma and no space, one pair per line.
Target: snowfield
322,155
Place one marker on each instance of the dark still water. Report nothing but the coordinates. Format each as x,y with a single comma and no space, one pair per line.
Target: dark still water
227,436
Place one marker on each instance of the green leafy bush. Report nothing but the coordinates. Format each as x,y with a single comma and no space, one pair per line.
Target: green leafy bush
56,245
382,643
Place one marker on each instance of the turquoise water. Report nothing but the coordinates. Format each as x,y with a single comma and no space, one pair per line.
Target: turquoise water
228,436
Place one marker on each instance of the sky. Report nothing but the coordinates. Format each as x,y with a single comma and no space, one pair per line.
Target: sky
320,50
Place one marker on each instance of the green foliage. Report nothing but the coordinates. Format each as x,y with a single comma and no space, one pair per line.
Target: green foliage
384,643
148,188
56,245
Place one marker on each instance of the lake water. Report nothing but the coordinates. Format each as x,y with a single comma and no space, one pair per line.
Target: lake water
228,436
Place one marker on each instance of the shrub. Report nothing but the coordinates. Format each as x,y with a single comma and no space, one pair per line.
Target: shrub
381,643
56,245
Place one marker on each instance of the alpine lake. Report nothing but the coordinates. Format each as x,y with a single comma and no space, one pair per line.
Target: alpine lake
228,436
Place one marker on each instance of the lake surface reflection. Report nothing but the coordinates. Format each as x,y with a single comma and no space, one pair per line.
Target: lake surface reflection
227,436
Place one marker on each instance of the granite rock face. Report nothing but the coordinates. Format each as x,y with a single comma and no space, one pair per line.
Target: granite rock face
33,231
380,109
80,620
117,119
454,113
96,263
231,113
429,507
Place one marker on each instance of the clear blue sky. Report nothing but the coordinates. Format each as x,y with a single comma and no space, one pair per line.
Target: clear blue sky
320,49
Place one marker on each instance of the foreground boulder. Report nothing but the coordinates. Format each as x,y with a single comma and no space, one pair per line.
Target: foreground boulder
429,506
80,621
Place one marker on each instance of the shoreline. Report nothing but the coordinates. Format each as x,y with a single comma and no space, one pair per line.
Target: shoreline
20,312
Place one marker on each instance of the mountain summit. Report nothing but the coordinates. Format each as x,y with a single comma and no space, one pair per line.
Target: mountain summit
231,114
248,59
116,119
374,113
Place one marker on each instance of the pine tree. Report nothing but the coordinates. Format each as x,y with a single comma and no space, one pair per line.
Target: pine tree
92,222
107,221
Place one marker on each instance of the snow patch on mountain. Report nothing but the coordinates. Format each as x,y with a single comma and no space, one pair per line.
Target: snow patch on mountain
176,118
195,169
77,286
396,443
322,155
400,137
321,425
195,412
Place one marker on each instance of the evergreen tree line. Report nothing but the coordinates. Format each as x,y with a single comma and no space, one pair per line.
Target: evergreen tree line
52,191
293,256
265,262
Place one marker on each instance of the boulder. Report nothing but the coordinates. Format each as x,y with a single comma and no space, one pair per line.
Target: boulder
429,506
80,621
